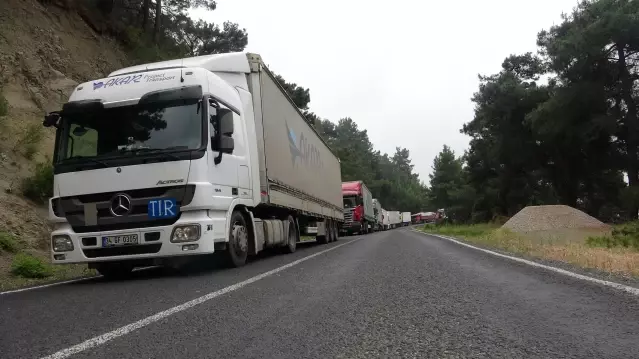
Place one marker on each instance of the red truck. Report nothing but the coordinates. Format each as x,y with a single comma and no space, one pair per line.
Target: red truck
428,217
359,213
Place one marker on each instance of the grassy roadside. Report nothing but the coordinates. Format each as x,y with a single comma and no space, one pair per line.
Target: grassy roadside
614,254
10,281
22,265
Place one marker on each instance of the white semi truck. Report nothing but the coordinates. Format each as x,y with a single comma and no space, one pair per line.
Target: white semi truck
162,161
395,219
377,208
385,219
405,219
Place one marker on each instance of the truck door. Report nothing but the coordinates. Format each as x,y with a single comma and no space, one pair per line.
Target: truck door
244,176
225,175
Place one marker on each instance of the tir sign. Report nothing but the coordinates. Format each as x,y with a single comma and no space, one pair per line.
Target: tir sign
163,208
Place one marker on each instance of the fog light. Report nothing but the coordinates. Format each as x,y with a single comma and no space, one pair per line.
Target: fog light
189,247
59,257
61,243
186,233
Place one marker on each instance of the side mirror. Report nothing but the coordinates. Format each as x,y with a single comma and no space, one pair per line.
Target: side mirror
227,144
51,120
225,118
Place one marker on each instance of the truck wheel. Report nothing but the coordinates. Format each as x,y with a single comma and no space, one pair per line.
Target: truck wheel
335,231
114,270
291,243
237,249
324,239
330,232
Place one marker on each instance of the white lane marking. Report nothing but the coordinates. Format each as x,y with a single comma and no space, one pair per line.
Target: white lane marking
101,339
64,282
49,285
629,289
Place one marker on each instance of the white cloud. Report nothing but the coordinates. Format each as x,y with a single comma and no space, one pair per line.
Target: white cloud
403,70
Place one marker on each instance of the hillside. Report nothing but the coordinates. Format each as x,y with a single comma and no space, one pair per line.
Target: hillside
45,51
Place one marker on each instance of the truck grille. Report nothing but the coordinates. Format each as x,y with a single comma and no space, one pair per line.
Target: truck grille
348,215
72,208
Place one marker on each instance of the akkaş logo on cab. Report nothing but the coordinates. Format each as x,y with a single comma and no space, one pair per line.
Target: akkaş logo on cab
308,154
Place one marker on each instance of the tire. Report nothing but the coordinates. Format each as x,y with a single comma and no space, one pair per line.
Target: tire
292,237
237,248
331,231
323,239
115,270
336,231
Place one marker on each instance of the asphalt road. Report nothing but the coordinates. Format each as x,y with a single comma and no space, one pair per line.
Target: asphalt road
390,294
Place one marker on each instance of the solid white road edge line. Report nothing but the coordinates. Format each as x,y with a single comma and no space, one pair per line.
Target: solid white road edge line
49,285
629,289
101,339
63,282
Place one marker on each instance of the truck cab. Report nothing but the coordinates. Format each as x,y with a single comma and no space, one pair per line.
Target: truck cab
359,212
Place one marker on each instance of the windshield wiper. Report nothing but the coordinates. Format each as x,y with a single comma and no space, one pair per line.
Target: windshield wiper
75,158
157,150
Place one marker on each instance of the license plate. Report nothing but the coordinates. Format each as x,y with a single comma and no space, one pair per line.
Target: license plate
110,241
163,208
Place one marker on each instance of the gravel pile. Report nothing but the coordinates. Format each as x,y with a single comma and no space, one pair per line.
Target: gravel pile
554,217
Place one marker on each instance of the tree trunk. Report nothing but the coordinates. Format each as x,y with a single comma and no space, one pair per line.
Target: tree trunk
631,125
145,14
158,16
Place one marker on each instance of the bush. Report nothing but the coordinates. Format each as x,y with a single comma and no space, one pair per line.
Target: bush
625,235
9,243
30,150
39,187
31,136
27,266
470,230
4,105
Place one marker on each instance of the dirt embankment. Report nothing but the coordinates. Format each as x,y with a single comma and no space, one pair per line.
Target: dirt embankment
45,51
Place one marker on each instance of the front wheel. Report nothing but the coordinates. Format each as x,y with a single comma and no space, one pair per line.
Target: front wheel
237,248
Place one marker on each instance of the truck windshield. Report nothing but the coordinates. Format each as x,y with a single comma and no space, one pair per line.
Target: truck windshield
130,130
350,202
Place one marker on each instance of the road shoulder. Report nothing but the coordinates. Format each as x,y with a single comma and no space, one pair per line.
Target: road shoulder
588,272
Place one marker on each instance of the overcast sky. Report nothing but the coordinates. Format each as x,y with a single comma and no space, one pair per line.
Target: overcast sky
404,70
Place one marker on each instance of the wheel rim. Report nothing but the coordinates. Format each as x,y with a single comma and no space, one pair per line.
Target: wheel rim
291,235
240,244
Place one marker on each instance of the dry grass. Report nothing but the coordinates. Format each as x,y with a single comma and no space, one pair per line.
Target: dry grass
618,260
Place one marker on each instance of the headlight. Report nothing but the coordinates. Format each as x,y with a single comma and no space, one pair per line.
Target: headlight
186,233
61,243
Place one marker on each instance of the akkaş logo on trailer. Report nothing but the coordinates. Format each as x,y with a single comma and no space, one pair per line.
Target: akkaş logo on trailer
306,151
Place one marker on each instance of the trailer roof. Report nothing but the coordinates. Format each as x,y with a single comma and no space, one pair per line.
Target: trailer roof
229,62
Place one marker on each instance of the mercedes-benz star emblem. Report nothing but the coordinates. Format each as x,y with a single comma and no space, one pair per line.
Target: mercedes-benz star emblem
120,205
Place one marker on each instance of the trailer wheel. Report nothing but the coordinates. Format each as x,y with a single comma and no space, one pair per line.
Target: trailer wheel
335,231
292,238
330,231
237,249
324,239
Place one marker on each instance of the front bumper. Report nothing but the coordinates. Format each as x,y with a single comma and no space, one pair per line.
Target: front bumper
154,242
351,227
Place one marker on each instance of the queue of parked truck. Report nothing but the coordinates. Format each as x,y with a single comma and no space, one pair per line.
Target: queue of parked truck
161,162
